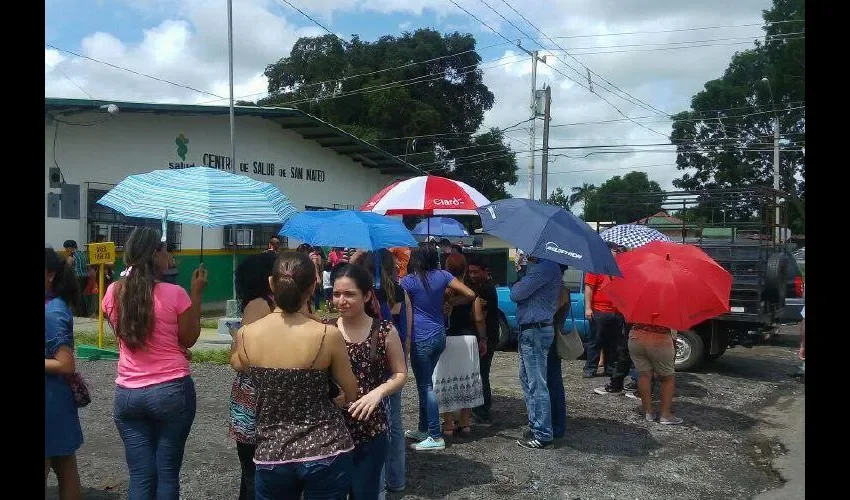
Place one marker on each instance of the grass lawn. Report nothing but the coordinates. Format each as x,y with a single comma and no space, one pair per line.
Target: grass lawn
214,356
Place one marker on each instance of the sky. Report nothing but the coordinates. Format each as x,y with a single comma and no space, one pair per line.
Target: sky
647,58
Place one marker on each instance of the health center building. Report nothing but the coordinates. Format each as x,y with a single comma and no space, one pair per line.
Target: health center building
90,146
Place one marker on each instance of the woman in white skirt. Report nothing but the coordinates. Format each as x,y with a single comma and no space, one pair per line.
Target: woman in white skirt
457,376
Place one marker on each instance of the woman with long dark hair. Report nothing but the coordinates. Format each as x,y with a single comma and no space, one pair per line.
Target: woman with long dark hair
63,435
426,285
394,303
155,402
302,443
374,347
256,301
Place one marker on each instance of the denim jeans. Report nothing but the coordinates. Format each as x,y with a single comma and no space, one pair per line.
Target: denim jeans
323,479
534,344
606,334
557,395
424,355
369,458
393,475
154,423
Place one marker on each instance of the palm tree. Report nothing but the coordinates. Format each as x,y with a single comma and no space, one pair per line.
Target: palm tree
581,194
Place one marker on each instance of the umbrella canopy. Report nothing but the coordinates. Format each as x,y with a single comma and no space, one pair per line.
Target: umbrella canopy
440,226
348,228
426,195
671,285
548,232
632,235
199,195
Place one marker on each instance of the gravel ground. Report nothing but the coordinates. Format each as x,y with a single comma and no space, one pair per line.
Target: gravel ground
610,450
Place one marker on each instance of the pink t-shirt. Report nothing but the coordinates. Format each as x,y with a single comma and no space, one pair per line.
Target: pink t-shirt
162,359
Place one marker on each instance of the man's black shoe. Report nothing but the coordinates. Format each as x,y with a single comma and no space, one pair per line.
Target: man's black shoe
533,444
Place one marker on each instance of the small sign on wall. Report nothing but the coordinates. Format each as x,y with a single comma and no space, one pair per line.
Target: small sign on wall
102,253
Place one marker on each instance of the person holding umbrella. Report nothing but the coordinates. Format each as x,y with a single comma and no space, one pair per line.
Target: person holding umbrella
536,296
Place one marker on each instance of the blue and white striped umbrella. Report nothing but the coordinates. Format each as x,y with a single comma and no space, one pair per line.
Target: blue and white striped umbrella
202,196
632,235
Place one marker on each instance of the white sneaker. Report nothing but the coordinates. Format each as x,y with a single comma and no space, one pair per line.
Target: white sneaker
429,444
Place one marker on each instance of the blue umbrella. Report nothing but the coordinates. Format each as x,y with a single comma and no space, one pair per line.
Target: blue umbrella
548,232
440,226
202,196
348,228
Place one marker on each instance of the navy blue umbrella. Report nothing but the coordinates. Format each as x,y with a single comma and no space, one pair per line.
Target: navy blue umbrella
548,232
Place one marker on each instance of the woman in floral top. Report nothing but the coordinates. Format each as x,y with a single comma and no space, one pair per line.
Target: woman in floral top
256,299
374,347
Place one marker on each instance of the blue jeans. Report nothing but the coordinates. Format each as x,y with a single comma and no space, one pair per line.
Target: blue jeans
324,479
534,345
393,475
366,476
154,423
557,395
424,355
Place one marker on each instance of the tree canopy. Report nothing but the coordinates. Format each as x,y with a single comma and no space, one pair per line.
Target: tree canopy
611,201
726,139
419,96
559,199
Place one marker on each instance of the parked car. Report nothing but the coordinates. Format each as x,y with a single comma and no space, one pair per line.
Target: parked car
509,326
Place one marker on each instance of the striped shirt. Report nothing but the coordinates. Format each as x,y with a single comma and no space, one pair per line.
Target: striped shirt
81,264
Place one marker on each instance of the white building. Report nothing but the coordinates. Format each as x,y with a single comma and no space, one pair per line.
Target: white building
88,150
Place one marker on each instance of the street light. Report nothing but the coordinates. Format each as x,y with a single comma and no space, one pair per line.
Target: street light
775,154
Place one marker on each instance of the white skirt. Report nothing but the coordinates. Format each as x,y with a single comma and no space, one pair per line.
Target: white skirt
457,376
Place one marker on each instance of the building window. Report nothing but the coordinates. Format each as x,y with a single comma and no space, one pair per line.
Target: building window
254,236
115,227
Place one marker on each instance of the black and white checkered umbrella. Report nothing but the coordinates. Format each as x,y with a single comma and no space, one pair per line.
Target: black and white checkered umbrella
632,235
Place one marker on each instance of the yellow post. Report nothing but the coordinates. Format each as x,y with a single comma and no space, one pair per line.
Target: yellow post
100,280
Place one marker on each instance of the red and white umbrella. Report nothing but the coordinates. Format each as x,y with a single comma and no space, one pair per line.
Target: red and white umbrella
426,195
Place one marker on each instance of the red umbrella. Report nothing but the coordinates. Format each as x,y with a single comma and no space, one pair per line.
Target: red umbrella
669,284
426,195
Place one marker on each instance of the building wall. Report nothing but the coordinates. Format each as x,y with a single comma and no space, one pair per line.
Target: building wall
132,143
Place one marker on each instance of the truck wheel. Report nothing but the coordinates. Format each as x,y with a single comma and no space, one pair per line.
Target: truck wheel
504,334
712,357
689,350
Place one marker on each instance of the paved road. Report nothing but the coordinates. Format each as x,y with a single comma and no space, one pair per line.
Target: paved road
741,414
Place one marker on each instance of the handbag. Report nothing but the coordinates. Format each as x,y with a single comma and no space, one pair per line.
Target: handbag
568,345
79,389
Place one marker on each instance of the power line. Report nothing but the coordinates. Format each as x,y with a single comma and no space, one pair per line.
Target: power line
651,107
682,42
683,29
59,68
314,21
659,118
132,71
680,47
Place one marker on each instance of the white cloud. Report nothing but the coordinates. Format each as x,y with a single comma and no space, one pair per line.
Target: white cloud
190,47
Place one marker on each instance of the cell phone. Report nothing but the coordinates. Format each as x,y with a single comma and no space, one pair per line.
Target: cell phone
233,326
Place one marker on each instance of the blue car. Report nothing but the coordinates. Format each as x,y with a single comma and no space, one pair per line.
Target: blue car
509,327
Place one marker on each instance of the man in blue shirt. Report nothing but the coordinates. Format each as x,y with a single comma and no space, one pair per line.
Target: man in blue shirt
536,296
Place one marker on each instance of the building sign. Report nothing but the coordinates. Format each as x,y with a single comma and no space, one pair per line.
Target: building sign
261,168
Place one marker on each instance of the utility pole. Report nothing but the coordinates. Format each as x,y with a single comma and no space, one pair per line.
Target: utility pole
534,59
544,169
776,170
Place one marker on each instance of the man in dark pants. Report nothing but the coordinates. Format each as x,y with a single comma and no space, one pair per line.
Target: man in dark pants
78,261
622,367
482,285
606,324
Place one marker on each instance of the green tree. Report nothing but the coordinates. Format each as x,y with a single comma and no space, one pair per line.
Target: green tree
487,164
624,199
559,199
347,84
580,194
726,139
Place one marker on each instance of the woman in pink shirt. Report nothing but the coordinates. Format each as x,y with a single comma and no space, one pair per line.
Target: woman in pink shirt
154,407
